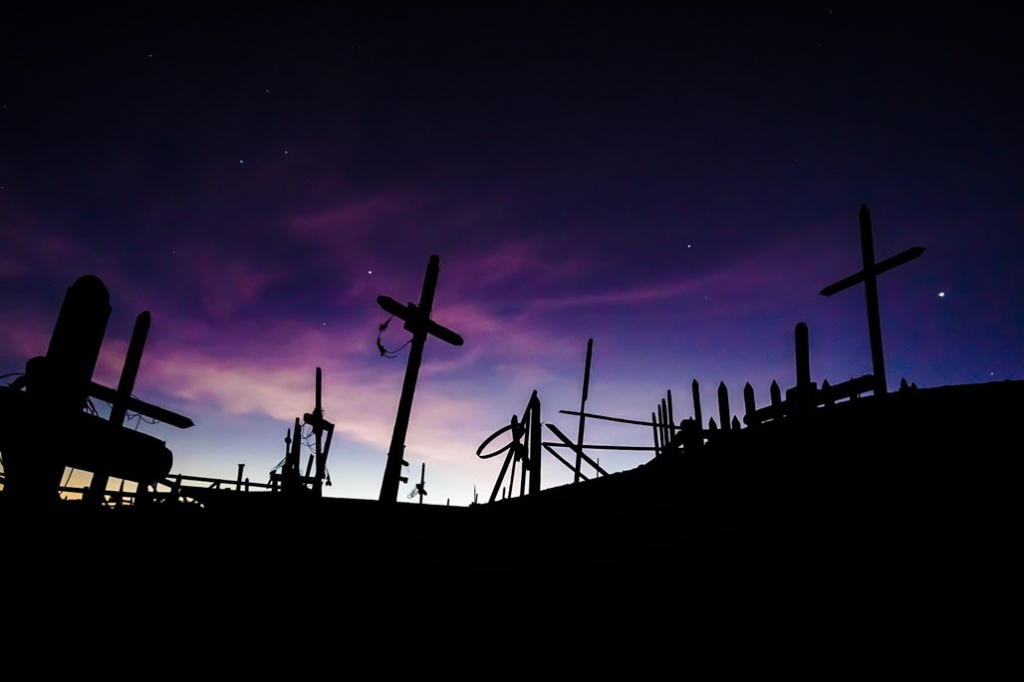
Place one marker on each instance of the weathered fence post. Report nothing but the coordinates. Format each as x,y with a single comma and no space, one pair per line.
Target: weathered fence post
657,439
749,407
695,388
583,409
804,388
723,405
535,444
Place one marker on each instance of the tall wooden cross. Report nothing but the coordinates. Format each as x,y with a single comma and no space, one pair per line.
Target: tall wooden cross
869,276
417,320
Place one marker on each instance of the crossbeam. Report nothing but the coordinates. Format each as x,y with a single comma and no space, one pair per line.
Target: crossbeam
109,395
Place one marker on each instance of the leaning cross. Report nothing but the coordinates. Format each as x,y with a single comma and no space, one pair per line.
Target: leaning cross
868,275
417,320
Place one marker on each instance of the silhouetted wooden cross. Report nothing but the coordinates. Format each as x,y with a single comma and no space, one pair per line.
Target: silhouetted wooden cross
868,275
320,427
417,320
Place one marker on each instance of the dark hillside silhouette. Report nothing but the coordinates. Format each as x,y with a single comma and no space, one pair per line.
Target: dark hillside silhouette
842,492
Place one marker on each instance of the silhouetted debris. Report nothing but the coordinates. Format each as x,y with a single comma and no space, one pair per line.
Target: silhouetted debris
800,497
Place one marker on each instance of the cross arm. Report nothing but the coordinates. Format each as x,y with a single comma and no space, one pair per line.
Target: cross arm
883,266
109,395
402,312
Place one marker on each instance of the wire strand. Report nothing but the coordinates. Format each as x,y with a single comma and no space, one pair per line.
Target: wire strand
384,352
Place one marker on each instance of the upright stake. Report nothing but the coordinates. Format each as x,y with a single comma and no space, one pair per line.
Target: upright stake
749,407
665,432
803,368
291,468
671,417
534,444
583,405
421,489
125,385
318,431
723,405
657,440
695,387
867,252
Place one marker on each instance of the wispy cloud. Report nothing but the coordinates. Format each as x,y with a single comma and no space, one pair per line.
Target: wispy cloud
225,281
752,274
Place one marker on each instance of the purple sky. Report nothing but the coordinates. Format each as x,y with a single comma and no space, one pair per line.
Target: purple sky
677,186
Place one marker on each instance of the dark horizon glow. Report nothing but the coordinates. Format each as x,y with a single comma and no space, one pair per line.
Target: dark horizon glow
678,186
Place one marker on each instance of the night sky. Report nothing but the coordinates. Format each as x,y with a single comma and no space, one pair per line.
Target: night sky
677,185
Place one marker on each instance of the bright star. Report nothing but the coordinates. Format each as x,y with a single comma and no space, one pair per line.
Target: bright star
942,294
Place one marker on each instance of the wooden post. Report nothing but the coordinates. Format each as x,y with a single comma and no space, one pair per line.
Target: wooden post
696,403
803,369
119,410
417,320
723,405
534,452
318,428
583,406
803,355
671,417
291,467
867,250
827,398
666,426
316,421
287,456
527,455
238,481
749,406
421,489
657,440
62,387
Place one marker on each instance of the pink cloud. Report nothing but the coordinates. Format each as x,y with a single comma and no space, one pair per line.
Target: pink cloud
36,250
354,229
24,334
522,266
226,281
